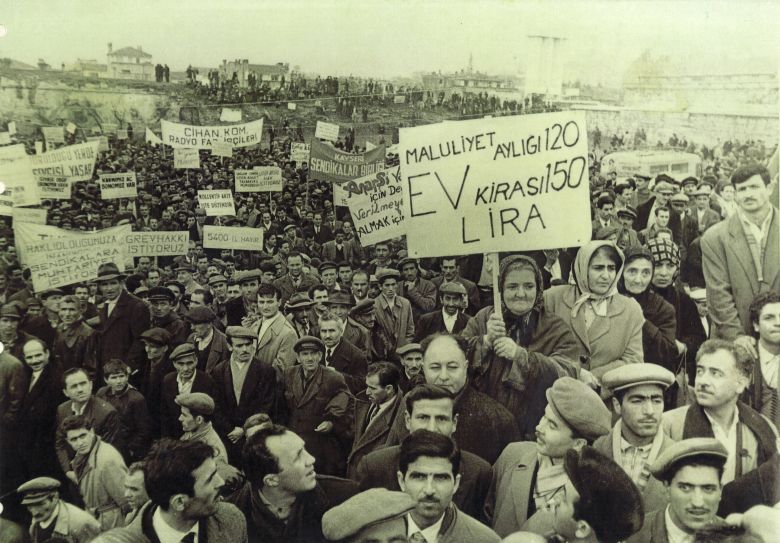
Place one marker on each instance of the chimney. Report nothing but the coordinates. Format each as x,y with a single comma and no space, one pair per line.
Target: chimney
110,48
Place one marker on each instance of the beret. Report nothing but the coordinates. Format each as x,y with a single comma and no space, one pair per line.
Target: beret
327,265
217,278
363,510
240,332
200,314
185,349
38,489
687,448
249,275
309,342
680,197
452,287
198,403
409,348
340,298
387,273
632,375
161,293
160,336
580,407
628,210
363,307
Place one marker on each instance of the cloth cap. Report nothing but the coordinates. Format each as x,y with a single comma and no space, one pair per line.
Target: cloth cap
690,181
409,348
217,278
309,342
38,489
198,403
340,298
387,273
363,510
10,310
628,210
182,351
200,314
289,226
707,447
141,290
185,266
51,292
299,300
240,332
680,197
580,407
249,275
161,293
632,375
664,249
404,261
107,272
701,191
327,265
452,287
160,336
364,307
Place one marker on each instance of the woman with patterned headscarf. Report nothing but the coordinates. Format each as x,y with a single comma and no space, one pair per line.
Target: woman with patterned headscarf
516,354
606,324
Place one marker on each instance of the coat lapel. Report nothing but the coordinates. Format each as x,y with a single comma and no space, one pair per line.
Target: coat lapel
601,327
269,333
379,426
577,324
522,478
739,246
313,388
772,256
251,382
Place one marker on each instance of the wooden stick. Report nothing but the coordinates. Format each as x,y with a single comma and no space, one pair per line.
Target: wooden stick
496,292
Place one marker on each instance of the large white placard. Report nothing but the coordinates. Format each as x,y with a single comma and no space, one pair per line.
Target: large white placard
16,173
376,205
30,215
118,185
74,162
205,137
53,134
327,131
232,237
507,184
186,159
229,115
217,202
299,152
157,243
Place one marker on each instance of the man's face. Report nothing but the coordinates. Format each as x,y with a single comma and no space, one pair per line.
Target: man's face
196,300
330,332
641,410
412,362
702,202
81,294
78,387
309,359
381,252
153,350
268,306
409,272
662,217
201,329
189,423
117,381
296,466
388,287
449,269
317,220
376,393
44,509
160,308
339,238
185,366
320,298
664,273
444,364
135,490
626,195
153,223
8,326
183,277
203,264
35,355
205,497
694,496
80,440
430,481
662,198
69,312
689,189
110,289
166,215
153,279
345,274
233,292
718,381
768,325
243,349
752,195
553,435
266,217
249,289
176,291
605,212
329,277
359,285
294,265
433,415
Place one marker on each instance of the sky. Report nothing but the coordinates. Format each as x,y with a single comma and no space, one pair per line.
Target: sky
384,38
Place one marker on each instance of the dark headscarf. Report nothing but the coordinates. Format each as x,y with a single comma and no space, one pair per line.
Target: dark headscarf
521,327
631,254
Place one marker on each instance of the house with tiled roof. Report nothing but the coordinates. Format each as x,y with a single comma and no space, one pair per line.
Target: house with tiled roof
130,63
273,74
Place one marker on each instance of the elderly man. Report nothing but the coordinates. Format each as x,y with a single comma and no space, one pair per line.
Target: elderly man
197,412
411,356
74,344
393,312
340,354
186,379
450,319
298,309
185,275
53,517
637,438
373,516
318,406
528,474
340,303
691,471
210,344
450,272
647,212
294,280
420,292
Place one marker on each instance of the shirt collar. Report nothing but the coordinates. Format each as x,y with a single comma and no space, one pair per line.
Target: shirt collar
166,533
732,427
431,533
676,535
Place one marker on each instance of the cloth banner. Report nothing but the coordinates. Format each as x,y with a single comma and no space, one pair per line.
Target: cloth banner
336,166
118,185
183,136
515,183
217,203
157,243
29,215
7,202
299,152
74,162
53,134
152,138
186,158
327,131
229,115
376,206
232,237
16,172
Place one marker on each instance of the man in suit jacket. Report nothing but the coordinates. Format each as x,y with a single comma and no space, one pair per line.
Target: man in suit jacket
340,304
411,357
341,355
450,319
393,312
373,417
242,306
318,405
122,318
431,408
450,273
737,264
420,292
321,233
702,214
646,214
294,280
210,344
275,335
341,250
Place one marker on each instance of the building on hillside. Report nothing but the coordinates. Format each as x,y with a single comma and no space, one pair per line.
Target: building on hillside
90,68
466,81
272,74
130,63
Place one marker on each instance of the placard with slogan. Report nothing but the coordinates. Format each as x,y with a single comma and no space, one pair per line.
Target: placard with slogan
327,131
232,237
222,149
183,136
16,173
331,164
229,115
507,184
102,142
157,243
217,202
54,187
31,215
186,159
376,206
259,179
118,185
53,134
299,152
74,162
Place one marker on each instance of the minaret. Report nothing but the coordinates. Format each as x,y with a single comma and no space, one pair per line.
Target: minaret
471,63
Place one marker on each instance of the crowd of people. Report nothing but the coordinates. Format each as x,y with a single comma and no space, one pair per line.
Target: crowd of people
323,390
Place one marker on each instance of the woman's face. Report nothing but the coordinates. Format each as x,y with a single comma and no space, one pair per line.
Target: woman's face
637,275
519,291
601,273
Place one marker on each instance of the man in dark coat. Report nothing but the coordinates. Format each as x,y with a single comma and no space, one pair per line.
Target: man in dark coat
450,319
238,308
161,302
210,344
341,355
664,190
74,345
44,326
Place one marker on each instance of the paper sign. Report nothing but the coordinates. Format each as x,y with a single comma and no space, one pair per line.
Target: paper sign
327,131
12,127
299,152
157,243
53,134
259,179
29,215
121,134
16,172
182,136
71,128
399,99
118,185
292,106
232,237
217,202
102,142
186,158
515,183
340,196
222,149
152,138
376,205
334,165
55,187
230,115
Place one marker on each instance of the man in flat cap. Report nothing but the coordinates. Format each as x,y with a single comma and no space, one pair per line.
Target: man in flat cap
210,344
245,305
702,214
340,354
161,301
647,215
528,474
328,271
45,326
393,312
420,292
637,438
319,406
298,314
340,303
691,471
723,372
373,516
185,275
411,356
53,517
74,342
450,318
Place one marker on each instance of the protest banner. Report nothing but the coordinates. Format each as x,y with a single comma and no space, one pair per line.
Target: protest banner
507,184
12,127
336,166
259,179
53,134
121,134
186,158
152,138
118,185
71,128
327,131
58,257
222,149
292,106
299,152
217,202
28,215
157,243
229,115
16,173
6,203
74,162
54,187
183,136
246,180
377,206
232,237
399,99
